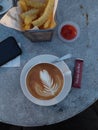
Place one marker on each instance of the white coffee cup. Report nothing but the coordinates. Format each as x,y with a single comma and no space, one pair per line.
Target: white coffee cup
44,81
65,73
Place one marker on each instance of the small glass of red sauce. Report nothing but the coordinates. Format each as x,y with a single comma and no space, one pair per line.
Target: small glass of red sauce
69,31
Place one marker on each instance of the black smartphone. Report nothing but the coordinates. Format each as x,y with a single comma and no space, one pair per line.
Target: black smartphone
9,49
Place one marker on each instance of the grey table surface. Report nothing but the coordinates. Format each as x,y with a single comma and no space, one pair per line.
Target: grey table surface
15,108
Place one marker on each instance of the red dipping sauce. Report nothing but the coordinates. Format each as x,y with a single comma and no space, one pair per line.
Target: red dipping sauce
69,31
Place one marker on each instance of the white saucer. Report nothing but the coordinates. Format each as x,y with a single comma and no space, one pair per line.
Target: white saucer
7,4
47,59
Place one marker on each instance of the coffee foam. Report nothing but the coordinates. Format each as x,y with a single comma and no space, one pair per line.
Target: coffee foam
44,81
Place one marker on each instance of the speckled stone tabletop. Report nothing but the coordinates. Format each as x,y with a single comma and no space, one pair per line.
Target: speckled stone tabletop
15,108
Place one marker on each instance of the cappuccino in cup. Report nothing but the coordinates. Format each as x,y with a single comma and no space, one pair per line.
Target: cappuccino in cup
44,81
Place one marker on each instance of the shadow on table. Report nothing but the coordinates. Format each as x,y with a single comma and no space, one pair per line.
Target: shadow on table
86,120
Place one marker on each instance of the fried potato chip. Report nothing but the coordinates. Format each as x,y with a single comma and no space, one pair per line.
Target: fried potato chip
48,10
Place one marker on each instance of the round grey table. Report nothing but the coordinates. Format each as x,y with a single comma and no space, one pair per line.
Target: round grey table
15,108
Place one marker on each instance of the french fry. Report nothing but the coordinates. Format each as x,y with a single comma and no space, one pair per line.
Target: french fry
28,19
26,27
34,4
37,13
53,24
22,5
42,19
29,13
48,22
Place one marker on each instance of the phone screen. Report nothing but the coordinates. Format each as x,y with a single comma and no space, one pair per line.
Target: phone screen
9,49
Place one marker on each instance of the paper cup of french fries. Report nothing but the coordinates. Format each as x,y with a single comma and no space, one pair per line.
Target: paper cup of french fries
35,18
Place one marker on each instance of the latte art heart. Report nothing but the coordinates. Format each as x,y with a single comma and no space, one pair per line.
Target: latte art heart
44,81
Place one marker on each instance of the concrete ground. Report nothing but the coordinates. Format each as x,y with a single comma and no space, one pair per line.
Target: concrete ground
86,120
